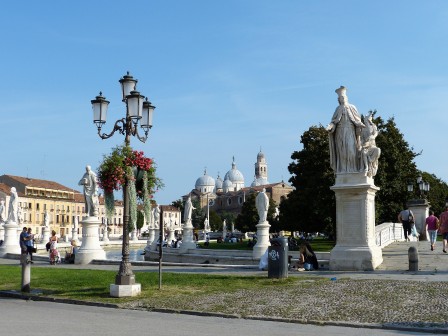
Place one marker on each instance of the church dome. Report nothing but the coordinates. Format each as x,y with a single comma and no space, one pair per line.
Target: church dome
234,175
227,185
260,155
219,182
205,183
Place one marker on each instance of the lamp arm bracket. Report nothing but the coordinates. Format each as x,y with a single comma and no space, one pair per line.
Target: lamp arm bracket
117,127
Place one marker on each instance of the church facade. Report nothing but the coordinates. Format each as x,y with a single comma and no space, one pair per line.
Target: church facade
229,194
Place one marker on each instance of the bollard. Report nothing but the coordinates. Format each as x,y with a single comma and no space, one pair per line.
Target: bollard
413,259
26,273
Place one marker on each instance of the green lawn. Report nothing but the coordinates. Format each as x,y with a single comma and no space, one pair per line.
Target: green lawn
93,285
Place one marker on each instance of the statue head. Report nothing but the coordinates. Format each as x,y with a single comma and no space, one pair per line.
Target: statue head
342,95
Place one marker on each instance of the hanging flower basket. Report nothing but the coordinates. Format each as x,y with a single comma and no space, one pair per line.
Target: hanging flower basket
124,164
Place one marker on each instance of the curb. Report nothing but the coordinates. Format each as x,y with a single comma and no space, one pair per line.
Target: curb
386,326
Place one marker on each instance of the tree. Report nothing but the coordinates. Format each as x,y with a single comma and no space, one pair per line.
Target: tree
215,221
140,220
311,205
248,217
396,168
438,193
197,215
229,217
180,205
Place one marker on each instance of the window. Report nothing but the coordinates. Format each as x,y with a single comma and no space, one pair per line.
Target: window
229,201
57,219
37,206
30,206
45,206
240,200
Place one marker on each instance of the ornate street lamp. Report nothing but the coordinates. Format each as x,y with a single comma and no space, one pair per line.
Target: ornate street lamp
423,186
138,113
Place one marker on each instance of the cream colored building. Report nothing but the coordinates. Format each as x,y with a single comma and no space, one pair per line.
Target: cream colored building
63,205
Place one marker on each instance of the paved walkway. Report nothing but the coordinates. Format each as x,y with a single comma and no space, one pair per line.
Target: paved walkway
433,266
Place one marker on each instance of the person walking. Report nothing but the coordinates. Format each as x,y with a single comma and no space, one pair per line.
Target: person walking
406,217
53,248
432,225
444,227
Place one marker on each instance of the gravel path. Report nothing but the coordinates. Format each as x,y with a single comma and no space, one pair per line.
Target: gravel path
404,303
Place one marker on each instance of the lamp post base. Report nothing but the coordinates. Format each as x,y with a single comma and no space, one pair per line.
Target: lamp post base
125,290
124,279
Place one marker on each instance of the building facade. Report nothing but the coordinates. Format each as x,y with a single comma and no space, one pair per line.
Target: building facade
63,205
228,195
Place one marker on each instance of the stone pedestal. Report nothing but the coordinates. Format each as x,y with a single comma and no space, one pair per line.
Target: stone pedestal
45,234
171,236
134,236
262,240
156,238
90,248
420,209
2,231
187,238
355,249
11,241
150,240
105,236
125,290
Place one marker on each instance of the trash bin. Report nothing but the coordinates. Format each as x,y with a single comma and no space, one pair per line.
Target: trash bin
278,258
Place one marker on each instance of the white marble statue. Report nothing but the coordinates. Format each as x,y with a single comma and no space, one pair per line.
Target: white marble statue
89,181
262,204
2,211
224,229
370,153
156,216
345,136
206,225
19,215
47,219
13,206
188,210
277,212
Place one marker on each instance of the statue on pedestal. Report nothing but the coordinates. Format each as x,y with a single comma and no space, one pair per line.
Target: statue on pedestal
262,205
345,136
13,206
89,181
188,210
46,219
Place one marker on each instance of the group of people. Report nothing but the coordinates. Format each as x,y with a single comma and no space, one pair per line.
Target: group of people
26,241
433,225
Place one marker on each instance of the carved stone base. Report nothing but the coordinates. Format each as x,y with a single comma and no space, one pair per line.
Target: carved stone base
349,258
355,248
90,248
262,240
125,290
11,242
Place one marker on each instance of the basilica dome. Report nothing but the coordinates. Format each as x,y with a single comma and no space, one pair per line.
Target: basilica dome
234,175
205,183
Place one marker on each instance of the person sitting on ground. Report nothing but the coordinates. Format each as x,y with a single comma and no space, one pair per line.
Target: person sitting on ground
70,256
307,258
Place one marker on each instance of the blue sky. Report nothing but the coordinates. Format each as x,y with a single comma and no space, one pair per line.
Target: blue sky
227,77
